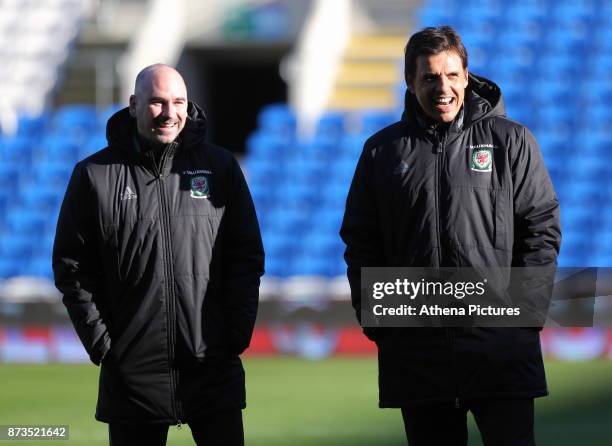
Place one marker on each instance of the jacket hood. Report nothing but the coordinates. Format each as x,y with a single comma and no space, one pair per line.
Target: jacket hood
483,98
121,126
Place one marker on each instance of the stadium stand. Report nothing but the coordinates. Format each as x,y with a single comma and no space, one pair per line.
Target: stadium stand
36,164
555,77
552,60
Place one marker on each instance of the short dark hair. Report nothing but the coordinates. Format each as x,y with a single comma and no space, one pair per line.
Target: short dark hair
430,41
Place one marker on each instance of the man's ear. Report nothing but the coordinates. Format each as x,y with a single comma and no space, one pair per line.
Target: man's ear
133,106
410,85
467,78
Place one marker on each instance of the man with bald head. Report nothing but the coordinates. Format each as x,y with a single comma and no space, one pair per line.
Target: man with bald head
158,256
156,86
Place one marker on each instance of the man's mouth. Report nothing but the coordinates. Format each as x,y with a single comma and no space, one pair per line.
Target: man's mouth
165,125
444,101
444,104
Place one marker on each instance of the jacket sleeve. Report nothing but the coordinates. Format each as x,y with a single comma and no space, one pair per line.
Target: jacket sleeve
243,262
361,231
537,229
76,270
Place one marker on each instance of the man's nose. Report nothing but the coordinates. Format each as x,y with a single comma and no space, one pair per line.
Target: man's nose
443,84
169,110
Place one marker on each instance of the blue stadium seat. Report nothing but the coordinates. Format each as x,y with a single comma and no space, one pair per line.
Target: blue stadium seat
351,146
278,119
305,264
8,268
526,11
335,196
316,242
18,248
342,171
437,12
77,117
264,144
10,175
298,194
307,168
40,266
106,113
373,120
583,10
17,149
328,218
602,258
546,90
576,215
263,193
602,35
479,12
32,127
554,124
276,266
331,126
279,247
58,148
262,169
576,251
50,175
5,202
558,66
277,241
94,143
42,198
287,219
27,222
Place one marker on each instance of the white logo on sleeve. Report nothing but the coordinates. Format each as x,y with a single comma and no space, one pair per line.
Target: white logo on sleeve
128,194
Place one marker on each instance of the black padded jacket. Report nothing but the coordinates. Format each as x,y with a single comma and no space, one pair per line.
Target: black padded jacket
159,263
475,193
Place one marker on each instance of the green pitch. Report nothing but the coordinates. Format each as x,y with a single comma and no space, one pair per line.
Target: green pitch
296,402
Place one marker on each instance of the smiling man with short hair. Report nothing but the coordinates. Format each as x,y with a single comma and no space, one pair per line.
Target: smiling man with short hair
453,184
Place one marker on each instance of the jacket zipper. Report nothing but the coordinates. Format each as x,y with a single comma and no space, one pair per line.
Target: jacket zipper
451,334
169,270
449,331
439,161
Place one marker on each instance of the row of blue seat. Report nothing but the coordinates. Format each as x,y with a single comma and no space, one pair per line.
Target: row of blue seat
553,61
52,147
299,186
66,119
553,11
